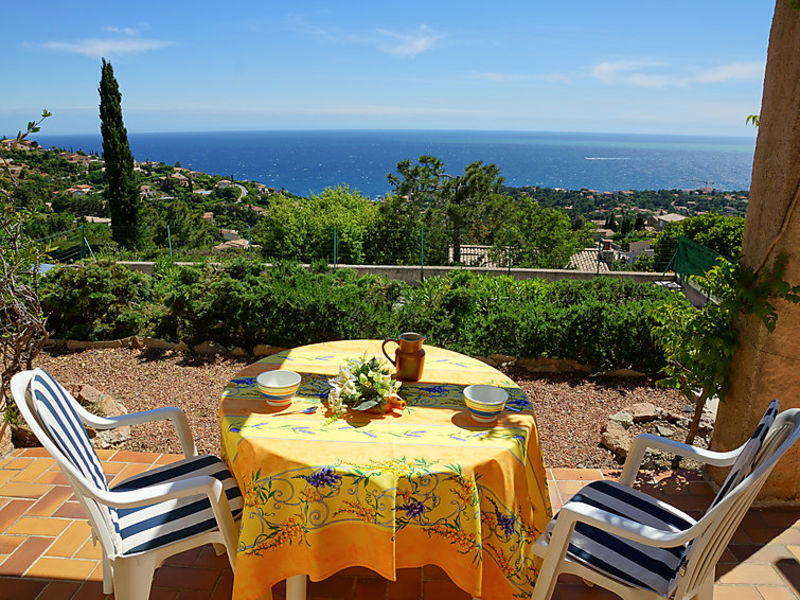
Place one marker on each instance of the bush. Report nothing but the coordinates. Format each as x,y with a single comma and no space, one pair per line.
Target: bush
603,322
95,301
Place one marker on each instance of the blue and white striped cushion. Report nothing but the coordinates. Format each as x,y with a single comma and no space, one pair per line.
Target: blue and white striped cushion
747,458
55,408
147,527
625,560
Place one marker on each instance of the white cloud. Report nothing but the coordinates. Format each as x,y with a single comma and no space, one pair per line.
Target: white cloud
738,71
396,43
409,44
652,74
497,77
97,47
124,30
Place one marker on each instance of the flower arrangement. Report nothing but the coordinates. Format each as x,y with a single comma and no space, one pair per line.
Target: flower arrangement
364,384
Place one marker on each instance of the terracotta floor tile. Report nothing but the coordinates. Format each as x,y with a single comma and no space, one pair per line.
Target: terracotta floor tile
371,589
9,543
788,536
114,467
24,490
35,452
53,477
159,593
50,502
555,497
61,568
753,574
567,489
166,459
191,594
104,455
187,558
13,511
97,573
207,557
33,470
579,591
185,577
736,592
24,556
130,470
68,543
6,475
336,587
563,474
12,588
434,573
224,589
780,518
91,590
70,510
443,589
775,593
361,572
16,463
756,553
408,585
136,457
59,590
38,526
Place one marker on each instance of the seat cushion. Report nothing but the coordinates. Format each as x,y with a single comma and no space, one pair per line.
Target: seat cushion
147,527
625,560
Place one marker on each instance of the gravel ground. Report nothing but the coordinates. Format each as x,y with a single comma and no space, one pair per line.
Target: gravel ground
570,408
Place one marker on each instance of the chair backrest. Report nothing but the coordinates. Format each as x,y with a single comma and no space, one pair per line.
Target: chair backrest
52,414
724,516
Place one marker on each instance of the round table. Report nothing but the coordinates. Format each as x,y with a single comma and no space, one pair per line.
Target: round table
428,486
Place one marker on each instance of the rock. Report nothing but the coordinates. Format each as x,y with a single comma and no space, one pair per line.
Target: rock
664,431
674,417
23,436
6,438
82,345
644,411
486,360
683,423
503,359
239,351
689,408
616,439
210,347
623,418
182,347
266,350
87,395
624,373
157,344
543,364
55,343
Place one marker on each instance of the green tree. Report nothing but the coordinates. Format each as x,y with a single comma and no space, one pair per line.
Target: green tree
457,197
123,193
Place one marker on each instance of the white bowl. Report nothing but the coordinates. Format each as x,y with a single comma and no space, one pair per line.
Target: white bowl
278,387
485,402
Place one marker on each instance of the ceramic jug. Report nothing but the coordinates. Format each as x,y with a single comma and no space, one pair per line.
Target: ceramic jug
409,357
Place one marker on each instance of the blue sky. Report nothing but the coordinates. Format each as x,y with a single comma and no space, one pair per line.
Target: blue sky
683,67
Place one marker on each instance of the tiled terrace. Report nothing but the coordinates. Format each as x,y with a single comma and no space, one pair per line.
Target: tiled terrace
46,552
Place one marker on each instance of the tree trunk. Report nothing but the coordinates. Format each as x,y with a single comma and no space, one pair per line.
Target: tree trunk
767,366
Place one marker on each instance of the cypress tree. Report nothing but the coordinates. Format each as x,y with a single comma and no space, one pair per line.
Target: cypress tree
123,193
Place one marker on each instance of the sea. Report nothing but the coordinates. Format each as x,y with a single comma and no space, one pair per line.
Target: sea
306,162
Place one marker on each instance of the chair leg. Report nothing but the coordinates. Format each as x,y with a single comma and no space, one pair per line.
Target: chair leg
108,576
133,578
296,587
706,591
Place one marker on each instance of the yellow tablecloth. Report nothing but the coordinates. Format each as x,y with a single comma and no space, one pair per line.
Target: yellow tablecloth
426,487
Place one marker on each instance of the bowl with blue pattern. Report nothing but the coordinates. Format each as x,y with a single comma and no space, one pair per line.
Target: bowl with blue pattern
278,387
485,402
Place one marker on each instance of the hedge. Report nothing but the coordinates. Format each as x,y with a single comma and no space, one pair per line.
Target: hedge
602,322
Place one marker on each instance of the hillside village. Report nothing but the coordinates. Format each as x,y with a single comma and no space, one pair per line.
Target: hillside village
213,213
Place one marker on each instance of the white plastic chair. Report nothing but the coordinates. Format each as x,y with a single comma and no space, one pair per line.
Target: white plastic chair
148,517
641,548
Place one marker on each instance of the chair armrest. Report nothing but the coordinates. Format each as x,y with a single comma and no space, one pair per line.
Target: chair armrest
168,413
648,441
579,512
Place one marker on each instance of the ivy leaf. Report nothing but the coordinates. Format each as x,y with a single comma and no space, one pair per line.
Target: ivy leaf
365,405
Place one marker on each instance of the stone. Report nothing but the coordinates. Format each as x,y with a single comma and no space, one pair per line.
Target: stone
157,344
543,364
503,359
644,411
182,348
624,373
6,438
486,360
266,350
623,418
664,431
210,347
87,395
616,438
240,352
83,345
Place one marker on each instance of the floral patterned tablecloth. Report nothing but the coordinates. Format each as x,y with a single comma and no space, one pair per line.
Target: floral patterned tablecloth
428,486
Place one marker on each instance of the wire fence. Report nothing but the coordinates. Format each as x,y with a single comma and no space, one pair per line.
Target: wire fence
336,246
